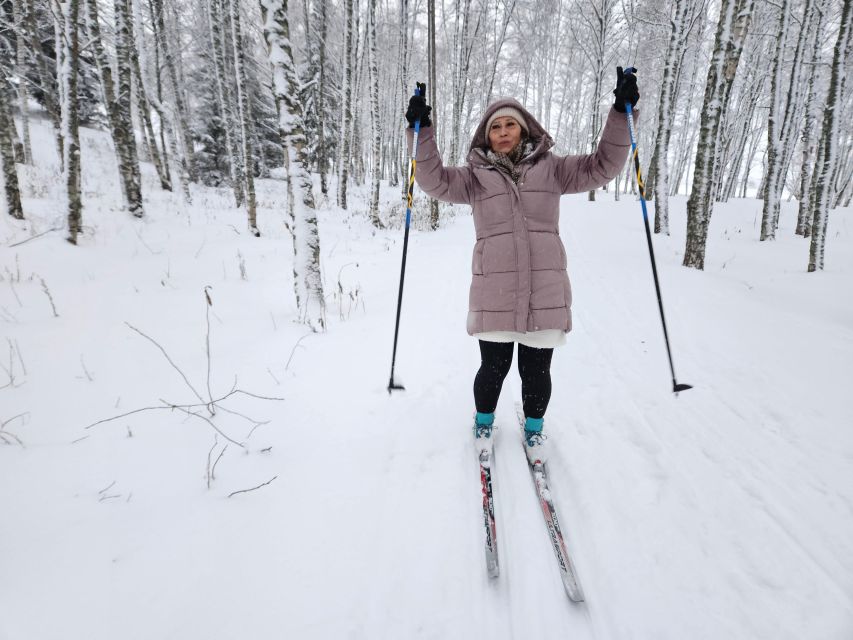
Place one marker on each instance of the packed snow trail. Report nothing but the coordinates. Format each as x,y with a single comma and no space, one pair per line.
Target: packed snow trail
724,513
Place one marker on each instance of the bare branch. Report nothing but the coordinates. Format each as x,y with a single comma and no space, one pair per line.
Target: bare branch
43,233
166,355
253,488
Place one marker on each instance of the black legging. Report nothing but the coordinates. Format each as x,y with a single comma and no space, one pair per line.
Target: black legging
534,366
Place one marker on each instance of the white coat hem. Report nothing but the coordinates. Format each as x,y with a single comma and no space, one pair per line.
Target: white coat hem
545,339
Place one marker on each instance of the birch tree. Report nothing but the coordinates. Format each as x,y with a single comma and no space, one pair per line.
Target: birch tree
19,17
117,100
69,63
810,137
596,37
7,159
180,118
223,96
432,91
307,279
346,106
732,28
243,111
829,138
683,18
785,113
376,127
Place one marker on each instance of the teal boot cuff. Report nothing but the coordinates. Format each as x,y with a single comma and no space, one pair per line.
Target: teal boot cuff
533,424
485,418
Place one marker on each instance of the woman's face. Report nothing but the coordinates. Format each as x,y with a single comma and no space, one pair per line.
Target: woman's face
504,134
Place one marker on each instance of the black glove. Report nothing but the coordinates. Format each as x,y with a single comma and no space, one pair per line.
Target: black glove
626,89
419,109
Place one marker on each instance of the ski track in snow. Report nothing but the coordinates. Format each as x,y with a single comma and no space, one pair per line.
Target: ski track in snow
724,513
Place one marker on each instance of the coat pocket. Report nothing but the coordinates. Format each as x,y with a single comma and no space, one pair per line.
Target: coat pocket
499,254
546,251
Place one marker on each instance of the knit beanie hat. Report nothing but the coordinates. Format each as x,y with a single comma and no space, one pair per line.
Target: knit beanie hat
513,113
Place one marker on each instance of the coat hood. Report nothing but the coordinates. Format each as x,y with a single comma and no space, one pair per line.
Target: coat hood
542,139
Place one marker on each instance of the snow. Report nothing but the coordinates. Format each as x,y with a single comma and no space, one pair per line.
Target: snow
723,513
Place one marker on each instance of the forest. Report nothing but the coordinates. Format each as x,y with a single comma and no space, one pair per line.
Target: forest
739,98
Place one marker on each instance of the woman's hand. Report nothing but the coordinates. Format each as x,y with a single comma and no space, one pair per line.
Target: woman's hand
626,89
419,109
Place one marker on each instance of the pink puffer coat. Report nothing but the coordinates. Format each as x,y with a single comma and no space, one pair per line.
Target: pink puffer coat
519,266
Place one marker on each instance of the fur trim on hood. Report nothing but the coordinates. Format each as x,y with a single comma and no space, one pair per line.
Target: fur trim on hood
542,139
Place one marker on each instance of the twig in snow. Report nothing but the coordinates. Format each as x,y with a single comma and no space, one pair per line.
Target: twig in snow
39,235
166,355
172,406
273,377
253,488
210,407
206,419
49,297
294,349
209,454
242,262
85,370
20,358
216,462
8,436
15,293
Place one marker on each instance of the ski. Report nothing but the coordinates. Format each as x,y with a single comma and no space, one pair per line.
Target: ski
543,491
489,513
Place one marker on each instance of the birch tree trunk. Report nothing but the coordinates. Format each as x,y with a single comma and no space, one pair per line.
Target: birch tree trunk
732,28
243,113
432,91
809,133
346,107
223,96
121,119
376,127
19,16
320,99
307,279
121,128
70,46
180,118
659,169
781,119
829,139
7,160
405,92
49,88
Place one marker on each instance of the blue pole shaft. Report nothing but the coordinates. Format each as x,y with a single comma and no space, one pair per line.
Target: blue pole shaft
641,187
413,165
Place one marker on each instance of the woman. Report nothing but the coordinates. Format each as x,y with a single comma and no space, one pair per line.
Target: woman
520,290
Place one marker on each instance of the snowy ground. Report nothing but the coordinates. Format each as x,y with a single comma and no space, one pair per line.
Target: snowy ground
724,513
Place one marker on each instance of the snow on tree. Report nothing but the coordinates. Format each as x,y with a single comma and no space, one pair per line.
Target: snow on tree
823,189
243,116
346,106
785,115
7,157
684,17
68,68
735,16
307,279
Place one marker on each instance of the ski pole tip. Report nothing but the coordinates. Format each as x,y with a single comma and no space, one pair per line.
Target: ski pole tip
676,388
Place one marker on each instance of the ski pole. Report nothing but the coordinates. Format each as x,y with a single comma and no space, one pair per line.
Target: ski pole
420,90
676,387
